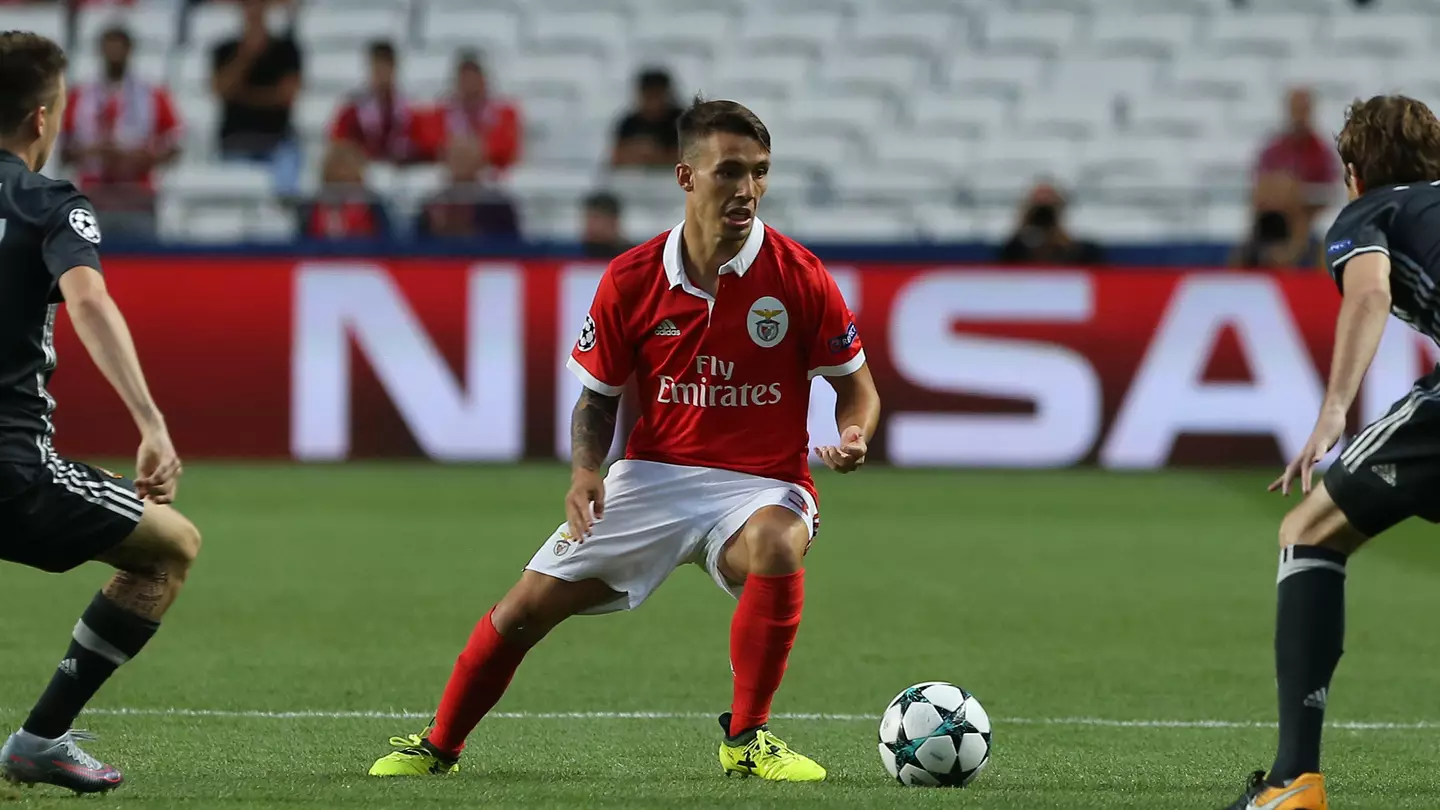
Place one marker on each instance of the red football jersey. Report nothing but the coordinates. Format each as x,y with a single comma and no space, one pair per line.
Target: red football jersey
724,382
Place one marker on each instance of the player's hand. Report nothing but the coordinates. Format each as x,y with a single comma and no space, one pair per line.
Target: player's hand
849,454
1329,427
157,467
584,503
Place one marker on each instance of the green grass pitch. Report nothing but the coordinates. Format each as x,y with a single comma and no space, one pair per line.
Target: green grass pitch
349,590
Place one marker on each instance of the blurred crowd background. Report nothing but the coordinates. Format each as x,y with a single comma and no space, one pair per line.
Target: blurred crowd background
1047,131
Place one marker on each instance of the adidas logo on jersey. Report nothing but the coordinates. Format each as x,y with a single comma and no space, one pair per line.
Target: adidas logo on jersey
70,667
667,328
1386,472
1318,698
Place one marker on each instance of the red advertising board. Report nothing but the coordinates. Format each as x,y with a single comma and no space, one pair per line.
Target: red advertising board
455,360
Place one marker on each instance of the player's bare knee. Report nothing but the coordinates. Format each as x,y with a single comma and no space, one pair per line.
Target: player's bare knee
1296,529
775,549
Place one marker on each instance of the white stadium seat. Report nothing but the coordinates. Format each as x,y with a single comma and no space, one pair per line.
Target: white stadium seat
781,33
1333,76
1383,36
336,27
784,74
879,30
972,74
599,33
1200,76
1263,34
1146,34
893,76
974,117
851,225
1068,115
1102,78
1046,33
946,154
1123,223
846,114
331,74
492,31
226,181
816,150
682,31
893,185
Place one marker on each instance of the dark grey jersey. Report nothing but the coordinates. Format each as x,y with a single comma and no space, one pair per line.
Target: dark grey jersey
1403,222
47,227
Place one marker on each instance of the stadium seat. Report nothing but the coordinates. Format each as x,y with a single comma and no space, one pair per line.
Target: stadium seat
1176,117
576,75
350,26
149,65
596,33
531,182
1065,114
313,114
1261,34
778,74
1008,167
885,76
210,23
1195,75
586,141
850,225
334,73
1126,34
683,31
893,185
1333,76
1044,33
943,154
271,223
493,31
819,151
1008,76
1230,223
215,224
1381,36
1100,78
425,75
932,34
945,223
776,32
237,182
1123,223
973,117
857,115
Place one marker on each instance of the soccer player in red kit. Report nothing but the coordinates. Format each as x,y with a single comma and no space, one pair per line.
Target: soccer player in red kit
723,322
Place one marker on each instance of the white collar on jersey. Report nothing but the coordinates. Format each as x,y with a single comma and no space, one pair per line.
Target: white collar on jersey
675,265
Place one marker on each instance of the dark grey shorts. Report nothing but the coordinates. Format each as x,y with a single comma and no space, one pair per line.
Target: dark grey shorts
1390,471
58,515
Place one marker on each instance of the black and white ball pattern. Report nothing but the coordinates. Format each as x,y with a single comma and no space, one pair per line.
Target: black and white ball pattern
587,335
935,735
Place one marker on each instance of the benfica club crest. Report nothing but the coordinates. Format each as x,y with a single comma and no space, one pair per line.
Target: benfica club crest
767,322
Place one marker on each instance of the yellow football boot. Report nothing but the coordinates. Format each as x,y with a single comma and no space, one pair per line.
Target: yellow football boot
759,753
1305,792
415,757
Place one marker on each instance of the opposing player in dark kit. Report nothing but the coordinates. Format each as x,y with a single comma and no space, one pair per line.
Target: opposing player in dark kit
722,322
54,513
1384,254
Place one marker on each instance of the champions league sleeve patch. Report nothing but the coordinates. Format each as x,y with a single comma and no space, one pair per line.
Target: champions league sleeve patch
84,224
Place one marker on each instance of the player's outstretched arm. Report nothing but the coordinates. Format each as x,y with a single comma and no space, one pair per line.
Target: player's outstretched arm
102,329
857,415
592,431
1363,313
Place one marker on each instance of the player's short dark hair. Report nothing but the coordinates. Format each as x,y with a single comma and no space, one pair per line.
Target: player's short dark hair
30,71
383,49
705,118
1390,140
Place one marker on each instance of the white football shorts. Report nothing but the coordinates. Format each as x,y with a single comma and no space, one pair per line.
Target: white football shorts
659,517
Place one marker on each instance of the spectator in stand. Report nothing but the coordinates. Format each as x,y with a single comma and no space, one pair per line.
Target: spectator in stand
1300,151
344,208
647,135
257,78
468,208
1279,238
119,129
472,113
1041,237
601,235
379,119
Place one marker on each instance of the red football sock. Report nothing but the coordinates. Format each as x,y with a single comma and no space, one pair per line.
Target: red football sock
481,674
761,635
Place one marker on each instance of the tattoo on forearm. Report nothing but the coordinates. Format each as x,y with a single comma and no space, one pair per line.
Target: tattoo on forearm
592,429
144,594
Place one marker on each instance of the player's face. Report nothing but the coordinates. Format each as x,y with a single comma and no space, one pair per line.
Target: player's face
724,183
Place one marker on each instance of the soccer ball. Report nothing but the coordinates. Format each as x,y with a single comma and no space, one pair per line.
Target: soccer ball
935,735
